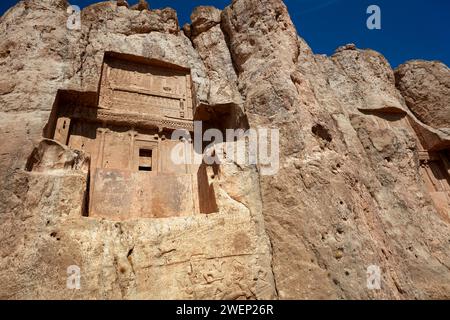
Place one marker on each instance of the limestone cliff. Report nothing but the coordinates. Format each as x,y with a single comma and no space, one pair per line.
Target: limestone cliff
426,88
350,191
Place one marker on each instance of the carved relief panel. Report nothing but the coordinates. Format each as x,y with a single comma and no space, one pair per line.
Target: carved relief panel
146,88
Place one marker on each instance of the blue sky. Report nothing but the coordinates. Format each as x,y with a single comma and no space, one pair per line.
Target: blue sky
415,29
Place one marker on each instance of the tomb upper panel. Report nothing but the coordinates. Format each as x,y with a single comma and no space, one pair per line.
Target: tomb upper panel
145,87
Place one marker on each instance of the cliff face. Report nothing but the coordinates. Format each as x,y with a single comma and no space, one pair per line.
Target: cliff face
349,192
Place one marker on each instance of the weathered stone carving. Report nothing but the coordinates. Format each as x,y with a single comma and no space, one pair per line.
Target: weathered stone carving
151,87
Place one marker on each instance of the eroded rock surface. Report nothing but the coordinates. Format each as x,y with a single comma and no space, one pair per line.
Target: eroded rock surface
426,88
348,194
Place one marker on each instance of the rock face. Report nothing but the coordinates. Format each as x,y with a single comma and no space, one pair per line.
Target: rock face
222,256
426,88
349,192
209,41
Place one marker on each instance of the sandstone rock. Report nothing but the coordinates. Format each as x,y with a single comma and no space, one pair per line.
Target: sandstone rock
152,33
235,266
426,88
263,43
349,193
141,5
7,87
50,155
187,30
203,18
107,15
34,58
341,177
